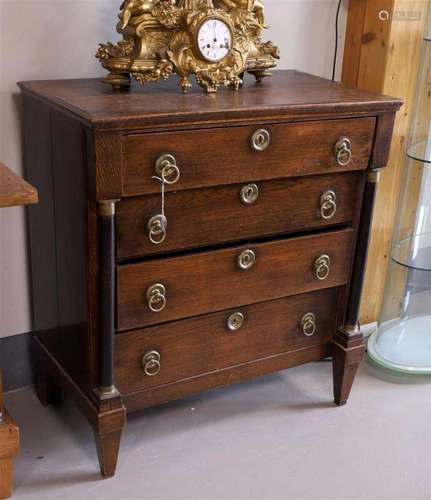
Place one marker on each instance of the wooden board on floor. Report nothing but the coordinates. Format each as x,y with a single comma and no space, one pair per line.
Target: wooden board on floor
9,447
14,190
382,54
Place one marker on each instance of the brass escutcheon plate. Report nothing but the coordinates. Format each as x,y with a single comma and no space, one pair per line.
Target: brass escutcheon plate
260,140
235,321
246,260
249,194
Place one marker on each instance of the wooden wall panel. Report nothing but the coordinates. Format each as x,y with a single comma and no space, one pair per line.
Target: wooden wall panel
386,61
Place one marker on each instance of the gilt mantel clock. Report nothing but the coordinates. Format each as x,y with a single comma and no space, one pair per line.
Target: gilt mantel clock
215,40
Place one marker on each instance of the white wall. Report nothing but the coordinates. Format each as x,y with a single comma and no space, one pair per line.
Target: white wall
42,39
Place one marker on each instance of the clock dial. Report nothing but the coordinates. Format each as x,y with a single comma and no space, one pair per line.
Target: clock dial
214,40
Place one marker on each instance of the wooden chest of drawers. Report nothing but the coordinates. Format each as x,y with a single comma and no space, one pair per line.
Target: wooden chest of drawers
254,263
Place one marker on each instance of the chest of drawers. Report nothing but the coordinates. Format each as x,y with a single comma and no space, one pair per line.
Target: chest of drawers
254,263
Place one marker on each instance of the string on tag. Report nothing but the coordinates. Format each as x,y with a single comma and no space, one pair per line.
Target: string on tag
162,181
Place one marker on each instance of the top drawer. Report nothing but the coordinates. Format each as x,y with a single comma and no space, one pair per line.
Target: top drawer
240,154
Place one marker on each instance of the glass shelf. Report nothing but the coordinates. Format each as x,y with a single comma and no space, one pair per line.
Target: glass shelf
420,152
414,252
403,345
402,341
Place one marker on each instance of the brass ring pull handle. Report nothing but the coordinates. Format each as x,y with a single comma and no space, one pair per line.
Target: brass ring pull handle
260,140
157,229
322,267
246,260
156,298
151,363
343,151
328,205
308,324
235,321
166,168
249,194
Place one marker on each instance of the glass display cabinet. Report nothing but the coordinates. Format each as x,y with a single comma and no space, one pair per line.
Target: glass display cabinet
402,341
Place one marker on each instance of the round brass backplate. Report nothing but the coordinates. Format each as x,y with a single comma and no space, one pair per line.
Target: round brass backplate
235,321
260,140
246,260
249,194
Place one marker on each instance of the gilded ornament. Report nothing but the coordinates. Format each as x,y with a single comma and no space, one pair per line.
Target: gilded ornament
217,41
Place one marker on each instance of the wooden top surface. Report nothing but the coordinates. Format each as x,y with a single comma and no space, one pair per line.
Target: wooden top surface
287,94
14,190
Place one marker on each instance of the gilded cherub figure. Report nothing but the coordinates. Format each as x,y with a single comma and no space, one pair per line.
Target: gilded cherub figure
132,8
254,6
193,5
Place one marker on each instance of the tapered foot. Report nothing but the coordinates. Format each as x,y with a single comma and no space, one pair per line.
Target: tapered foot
108,446
107,430
347,354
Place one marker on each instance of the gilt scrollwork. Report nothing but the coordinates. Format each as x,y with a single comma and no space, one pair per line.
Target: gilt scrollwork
159,39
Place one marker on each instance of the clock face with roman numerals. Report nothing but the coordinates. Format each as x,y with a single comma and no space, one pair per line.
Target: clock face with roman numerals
214,40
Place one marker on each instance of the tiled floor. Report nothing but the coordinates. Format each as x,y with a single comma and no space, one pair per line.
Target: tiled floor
278,437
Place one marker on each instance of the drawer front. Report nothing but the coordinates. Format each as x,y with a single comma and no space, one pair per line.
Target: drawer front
231,213
226,156
167,289
175,351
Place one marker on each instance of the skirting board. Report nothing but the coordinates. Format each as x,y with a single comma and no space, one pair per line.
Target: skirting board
16,359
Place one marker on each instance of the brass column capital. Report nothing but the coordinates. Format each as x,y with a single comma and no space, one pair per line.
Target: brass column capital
107,207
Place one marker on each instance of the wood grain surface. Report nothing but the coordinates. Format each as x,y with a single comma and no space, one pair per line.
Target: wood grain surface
225,155
14,190
85,144
199,345
210,281
386,60
202,217
286,95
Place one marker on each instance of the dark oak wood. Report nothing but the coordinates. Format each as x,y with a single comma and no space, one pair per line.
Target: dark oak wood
212,281
287,95
85,145
219,156
106,416
14,190
382,140
108,166
200,345
225,376
347,353
108,447
203,217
